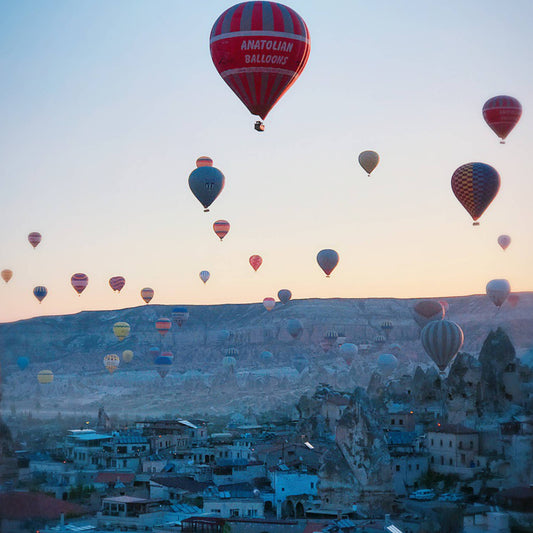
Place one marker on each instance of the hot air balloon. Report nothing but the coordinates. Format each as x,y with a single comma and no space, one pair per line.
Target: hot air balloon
111,362
121,330
502,114
204,161
266,356
23,362
180,315
259,49
255,261
387,326
387,363
498,290
328,341
284,295
163,363
163,325
327,260
35,238
7,274
475,185
445,305
232,352
380,339
79,281
45,377
442,339
341,337
229,362
206,183
154,352
40,292
127,356
294,327
395,349
269,303
204,276
300,363
221,228
147,294
513,299
368,160
348,352
504,241
223,336
117,283
427,311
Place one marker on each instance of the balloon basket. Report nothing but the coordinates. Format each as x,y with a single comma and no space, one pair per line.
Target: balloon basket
475,224
502,142
206,210
259,126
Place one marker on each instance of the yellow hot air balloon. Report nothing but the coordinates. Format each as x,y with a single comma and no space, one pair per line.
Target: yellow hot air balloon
111,362
121,330
369,160
7,274
45,376
127,356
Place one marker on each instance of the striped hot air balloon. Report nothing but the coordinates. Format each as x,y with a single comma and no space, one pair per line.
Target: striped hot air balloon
79,281
442,339
221,228
204,161
204,276
502,114
269,303
40,292
34,238
7,274
117,283
45,377
259,49
163,326
163,363
147,294
255,261
475,185
180,315
121,330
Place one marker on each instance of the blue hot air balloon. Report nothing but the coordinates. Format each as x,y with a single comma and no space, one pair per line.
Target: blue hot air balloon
206,184
266,356
294,327
387,363
284,295
180,315
163,363
40,292
154,352
23,362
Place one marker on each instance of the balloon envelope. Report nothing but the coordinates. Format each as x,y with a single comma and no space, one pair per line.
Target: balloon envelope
327,260
23,362
204,276
255,261
266,356
427,311
180,315
117,283
442,339
206,183
45,376
204,161
387,363
369,160
498,290
163,325
475,185
221,228
348,352
111,362
121,330
504,241
269,303
79,281
502,114
259,49
35,238
127,356
40,292
294,327
7,274
154,352
147,294
284,295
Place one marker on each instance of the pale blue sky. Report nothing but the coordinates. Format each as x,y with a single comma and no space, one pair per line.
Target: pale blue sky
105,107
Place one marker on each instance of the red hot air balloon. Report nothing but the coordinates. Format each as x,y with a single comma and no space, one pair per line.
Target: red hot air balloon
221,228
79,282
427,311
256,261
259,49
502,114
475,185
35,238
147,294
269,303
163,325
204,161
117,283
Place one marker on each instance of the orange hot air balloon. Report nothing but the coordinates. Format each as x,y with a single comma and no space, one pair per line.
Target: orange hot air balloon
163,325
147,294
79,282
221,228
256,261
35,238
7,274
204,161
117,283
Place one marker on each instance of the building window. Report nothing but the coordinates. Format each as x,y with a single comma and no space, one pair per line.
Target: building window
432,459
397,468
400,421
417,466
450,445
463,459
312,485
471,444
234,512
451,461
441,443
441,460
432,442
409,467
460,444
392,422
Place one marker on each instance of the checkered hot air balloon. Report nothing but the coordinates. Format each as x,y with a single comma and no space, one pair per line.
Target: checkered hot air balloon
259,49
475,185
502,114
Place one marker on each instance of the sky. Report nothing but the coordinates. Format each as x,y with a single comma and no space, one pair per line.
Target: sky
105,107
